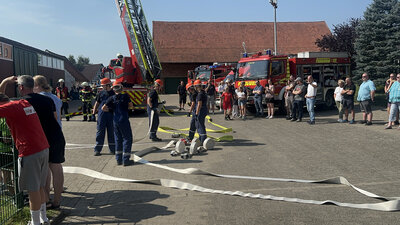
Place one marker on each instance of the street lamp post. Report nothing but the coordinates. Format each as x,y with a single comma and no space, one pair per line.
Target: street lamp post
274,3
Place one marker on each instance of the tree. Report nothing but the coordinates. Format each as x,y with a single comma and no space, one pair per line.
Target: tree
378,42
80,63
341,40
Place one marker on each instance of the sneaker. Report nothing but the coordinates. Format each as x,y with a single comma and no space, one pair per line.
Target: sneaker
352,122
271,117
288,118
67,118
388,127
363,121
156,139
267,117
368,123
119,163
340,120
345,121
298,120
396,122
226,118
293,119
97,154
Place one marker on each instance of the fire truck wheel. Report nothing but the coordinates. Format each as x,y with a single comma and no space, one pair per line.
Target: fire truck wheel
329,100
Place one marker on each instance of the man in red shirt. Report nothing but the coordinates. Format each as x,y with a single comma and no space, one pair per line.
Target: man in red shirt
33,150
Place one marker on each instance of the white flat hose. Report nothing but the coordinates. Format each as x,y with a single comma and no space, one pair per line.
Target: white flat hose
389,203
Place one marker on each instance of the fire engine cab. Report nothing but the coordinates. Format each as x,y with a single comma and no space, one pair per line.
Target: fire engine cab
325,67
214,74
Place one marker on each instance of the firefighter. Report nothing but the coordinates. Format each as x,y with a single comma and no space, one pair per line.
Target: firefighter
152,106
86,95
192,110
62,93
201,110
119,104
104,119
119,61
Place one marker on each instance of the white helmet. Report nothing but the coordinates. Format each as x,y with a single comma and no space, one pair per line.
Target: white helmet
61,80
119,55
85,84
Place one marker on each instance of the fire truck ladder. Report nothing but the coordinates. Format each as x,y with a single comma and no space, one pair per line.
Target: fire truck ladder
139,36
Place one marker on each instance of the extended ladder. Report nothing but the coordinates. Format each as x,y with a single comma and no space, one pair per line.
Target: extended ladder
140,42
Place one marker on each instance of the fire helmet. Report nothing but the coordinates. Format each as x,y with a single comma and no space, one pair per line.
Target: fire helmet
119,55
61,80
197,82
85,84
158,82
105,81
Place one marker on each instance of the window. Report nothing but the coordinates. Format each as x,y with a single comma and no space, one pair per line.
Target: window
6,52
54,63
1,50
44,60
62,65
277,68
49,64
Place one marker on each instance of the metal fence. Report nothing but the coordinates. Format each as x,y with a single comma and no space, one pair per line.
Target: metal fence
11,199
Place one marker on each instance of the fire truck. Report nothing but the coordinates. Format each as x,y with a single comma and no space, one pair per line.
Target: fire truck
214,74
325,67
137,72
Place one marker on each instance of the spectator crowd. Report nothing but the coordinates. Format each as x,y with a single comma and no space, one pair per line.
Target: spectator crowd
297,94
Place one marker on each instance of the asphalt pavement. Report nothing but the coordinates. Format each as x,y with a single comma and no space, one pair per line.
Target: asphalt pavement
368,156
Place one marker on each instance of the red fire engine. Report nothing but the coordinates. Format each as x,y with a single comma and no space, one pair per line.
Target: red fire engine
325,67
139,70
214,74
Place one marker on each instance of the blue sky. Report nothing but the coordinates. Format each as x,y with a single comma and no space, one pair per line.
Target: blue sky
93,29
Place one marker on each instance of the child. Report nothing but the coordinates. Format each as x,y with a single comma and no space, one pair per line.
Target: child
119,104
242,102
227,103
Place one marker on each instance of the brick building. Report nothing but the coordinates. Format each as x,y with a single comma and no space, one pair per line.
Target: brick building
182,46
20,59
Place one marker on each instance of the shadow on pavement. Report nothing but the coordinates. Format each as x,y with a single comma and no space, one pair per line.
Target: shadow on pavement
166,161
240,142
120,206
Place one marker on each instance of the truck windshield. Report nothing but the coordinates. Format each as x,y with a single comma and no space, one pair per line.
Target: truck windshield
253,70
203,75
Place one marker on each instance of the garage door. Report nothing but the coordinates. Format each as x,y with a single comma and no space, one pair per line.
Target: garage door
172,83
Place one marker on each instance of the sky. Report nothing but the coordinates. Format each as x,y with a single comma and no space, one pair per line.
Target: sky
92,28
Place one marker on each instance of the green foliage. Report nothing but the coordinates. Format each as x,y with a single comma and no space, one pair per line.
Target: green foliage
79,63
378,43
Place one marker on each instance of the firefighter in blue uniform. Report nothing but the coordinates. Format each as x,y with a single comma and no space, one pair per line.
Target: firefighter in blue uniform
152,106
104,119
119,104
87,95
201,111
192,111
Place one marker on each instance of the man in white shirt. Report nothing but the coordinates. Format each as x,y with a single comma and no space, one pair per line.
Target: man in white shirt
310,98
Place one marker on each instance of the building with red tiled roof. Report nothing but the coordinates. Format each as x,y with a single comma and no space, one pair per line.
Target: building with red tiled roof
182,46
92,72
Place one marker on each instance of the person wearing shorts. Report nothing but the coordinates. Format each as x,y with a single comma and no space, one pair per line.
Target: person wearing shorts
47,113
366,95
33,150
227,98
348,100
242,99
182,95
